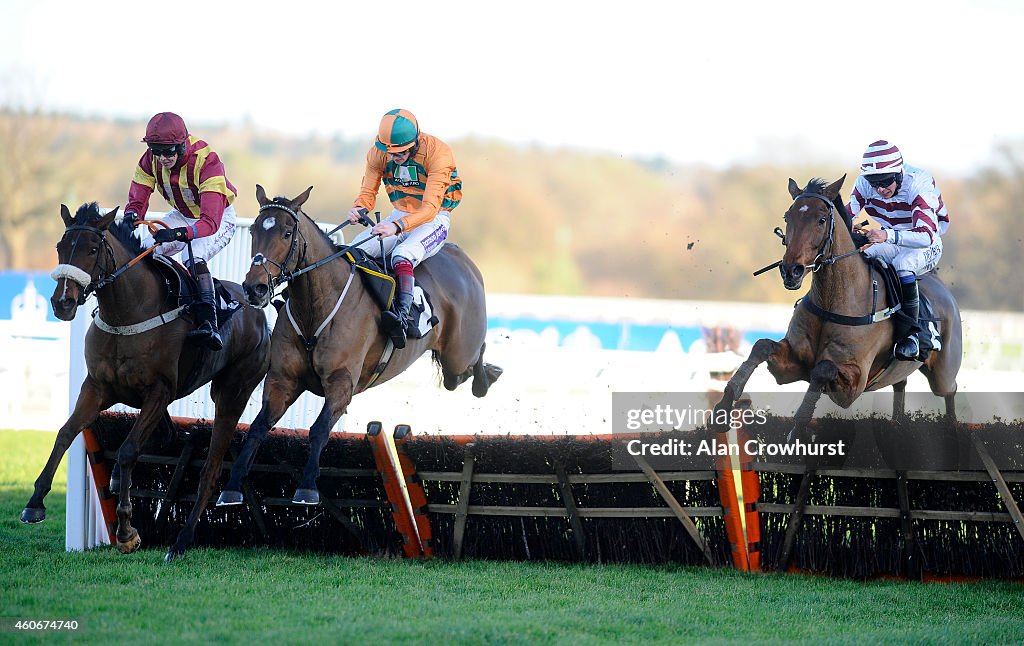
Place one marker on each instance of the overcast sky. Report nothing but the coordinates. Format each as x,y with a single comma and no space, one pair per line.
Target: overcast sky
713,82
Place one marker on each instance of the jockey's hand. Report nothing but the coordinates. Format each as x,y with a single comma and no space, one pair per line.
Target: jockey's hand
170,235
875,235
131,218
356,214
385,229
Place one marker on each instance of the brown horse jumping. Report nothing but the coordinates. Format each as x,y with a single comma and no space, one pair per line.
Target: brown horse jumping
327,339
146,365
844,359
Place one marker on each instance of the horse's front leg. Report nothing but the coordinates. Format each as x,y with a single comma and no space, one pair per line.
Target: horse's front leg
824,373
150,415
279,393
338,389
90,402
778,354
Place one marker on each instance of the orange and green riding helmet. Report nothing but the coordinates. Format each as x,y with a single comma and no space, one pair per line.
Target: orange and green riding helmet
398,131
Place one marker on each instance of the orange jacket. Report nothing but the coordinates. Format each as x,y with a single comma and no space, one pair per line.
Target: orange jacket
426,183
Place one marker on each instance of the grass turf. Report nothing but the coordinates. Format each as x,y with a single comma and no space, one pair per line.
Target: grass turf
236,595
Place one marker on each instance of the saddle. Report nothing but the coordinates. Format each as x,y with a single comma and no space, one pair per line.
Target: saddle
927,327
184,288
381,286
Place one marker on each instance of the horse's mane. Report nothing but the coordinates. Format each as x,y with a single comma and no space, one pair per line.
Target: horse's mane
284,201
89,214
817,186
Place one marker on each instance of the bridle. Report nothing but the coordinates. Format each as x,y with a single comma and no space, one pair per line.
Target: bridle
74,273
821,261
284,274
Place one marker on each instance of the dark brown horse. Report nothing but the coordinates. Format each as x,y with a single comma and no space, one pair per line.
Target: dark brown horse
340,347
144,368
844,359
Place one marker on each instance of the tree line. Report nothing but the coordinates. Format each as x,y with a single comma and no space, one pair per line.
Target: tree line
536,220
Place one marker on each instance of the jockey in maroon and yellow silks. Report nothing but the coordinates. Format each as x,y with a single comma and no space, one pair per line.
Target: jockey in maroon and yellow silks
190,176
196,187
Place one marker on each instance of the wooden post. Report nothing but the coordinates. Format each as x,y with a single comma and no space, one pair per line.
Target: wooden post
795,518
910,563
570,506
172,488
676,508
462,510
1000,482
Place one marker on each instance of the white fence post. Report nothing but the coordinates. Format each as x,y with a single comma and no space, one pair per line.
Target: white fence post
84,525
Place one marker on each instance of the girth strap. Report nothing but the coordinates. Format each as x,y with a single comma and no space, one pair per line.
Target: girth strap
138,328
842,319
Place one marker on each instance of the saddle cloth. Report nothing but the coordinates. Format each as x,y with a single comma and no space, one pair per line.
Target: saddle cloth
928,329
183,287
382,287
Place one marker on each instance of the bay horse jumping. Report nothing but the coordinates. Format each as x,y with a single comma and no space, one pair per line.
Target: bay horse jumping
327,338
851,353
142,361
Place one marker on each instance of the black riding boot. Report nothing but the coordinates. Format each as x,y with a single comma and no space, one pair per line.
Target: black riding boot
907,348
204,310
394,322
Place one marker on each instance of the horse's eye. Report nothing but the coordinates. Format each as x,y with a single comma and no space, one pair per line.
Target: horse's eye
821,221
94,251
287,235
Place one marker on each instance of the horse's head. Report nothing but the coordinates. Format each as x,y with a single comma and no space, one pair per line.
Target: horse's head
84,257
810,228
275,245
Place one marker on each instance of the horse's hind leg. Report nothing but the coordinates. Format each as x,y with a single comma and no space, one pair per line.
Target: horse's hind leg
230,399
484,374
152,410
337,395
457,367
87,408
899,399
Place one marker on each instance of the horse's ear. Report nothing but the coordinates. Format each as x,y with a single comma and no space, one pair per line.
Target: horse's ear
832,190
65,215
105,221
794,190
301,199
261,195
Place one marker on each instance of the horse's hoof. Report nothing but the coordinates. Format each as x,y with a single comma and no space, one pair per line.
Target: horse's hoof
130,545
173,555
33,515
228,498
306,497
493,372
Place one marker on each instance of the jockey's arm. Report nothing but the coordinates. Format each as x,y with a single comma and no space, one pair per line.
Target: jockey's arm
371,183
141,188
211,212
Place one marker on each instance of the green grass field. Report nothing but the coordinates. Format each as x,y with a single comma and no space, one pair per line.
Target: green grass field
239,595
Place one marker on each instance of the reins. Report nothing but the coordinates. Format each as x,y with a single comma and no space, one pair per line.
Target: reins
284,274
820,261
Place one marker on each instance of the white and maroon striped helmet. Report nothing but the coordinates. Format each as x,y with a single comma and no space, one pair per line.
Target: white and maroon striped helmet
880,158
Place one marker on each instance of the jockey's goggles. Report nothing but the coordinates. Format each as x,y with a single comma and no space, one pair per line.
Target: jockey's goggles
881,181
163,150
